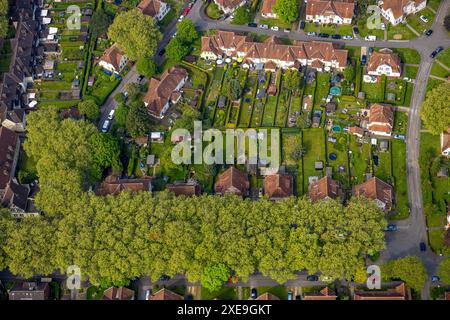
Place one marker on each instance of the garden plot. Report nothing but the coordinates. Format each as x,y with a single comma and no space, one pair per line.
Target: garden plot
248,100
213,91
291,153
270,110
283,108
261,97
314,144
322,88
337,157
360,160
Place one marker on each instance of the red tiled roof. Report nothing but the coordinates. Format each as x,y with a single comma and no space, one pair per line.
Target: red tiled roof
113,185
113,55
8,144
267,6
149,7
445,140
267,296
324,294
165,294
185,189
278,186
230,4
356,130
376,189
120,293
381,118
160,91
397,6
325,188
232,181
384,57
397,293
341,8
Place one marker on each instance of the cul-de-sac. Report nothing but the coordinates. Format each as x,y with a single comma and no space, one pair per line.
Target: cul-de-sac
321,170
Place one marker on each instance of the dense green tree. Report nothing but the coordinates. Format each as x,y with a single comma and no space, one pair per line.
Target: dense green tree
90,109
133,90
186,32
5,224
435,112
444,271
349,73
121,115
119,97
214,277
234,89
146,67
410,269
106,151
99,23
135,33
138,121
176,50
287,10
291,79
242,15
3,18
447,22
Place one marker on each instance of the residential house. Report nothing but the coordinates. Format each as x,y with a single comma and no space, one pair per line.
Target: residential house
324,294
188,189
278,186
378,190
384,62
120,293
325,188
113,185
15,120
445,143
381,120
29,291
9,154
165,294
154,8
267,9
163,92
322,56
233,181
267,296
228,6
113,59
330,11
399,292
396,11
19,198
357,131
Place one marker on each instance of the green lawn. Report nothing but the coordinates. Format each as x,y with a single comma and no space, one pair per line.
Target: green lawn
322,89
444,57
374,91
383,171
345,30
400,29
400,122
283,108
408,56
269,111
439,71
433,83
360,160
247,104
434,4
364,31
340,149
213,11
398,151
415,22
411,72
103,86
275,22
314,143
225,293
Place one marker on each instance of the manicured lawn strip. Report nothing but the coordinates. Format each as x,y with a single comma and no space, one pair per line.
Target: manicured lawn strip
60,104
360,160
311,27
269,111
213,11
296,102
398,152
411,72
282,108
345,30
429,14
275,22
340,149
248,100
384,169
407,55
436,239
364,31
417,24
433,83
322,89
399,91
374,91
408,95
400,122
103,86
289,143
444,57
314,143
434,4
439,71
401,29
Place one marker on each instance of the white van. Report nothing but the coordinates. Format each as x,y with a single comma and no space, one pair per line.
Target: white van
111,114
105,126
371,38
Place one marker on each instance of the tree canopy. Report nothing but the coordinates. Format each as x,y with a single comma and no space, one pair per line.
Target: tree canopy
3,18
234,89
213,277
138,120
410,269
291,79
99,23
287,10
146,67
435,111
135,33
444,270
242,15
181,44
176,50
90,109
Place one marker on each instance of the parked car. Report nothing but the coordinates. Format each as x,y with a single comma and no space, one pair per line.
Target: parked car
274,28
399,136
287,30
424,19
355,30
433,54
164,277
254,293
423,246
111,114
174,35
290,295
439,49
312,277
370,38
407,79
336,36
140,78
347,37
302,24
180,18
252,25
391,227
363,60
189,297
370,50
435,279
324,35
428,32
161,53
105,126
148,293
264,26
311,33
325,278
